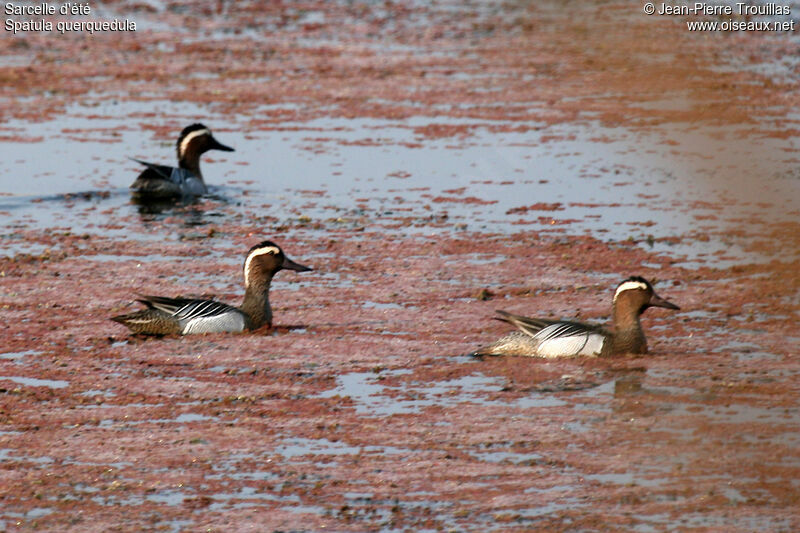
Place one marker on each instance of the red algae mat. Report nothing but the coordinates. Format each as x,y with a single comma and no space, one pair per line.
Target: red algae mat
361,410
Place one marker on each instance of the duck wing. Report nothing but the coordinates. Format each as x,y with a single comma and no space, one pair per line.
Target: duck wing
154,171
187,308
546,329
529,326
571,338
560,329
556,338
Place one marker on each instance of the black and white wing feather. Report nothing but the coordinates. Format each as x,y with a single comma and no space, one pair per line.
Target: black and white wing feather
558,338
199,316
203,309
529,326
187,308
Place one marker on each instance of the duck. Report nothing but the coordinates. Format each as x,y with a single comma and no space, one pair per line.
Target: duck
163,181
185,316
541,337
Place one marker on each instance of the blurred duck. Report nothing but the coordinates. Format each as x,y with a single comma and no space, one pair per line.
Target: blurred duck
162,181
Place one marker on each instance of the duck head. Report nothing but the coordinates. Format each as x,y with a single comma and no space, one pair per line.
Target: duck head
264,260
636,293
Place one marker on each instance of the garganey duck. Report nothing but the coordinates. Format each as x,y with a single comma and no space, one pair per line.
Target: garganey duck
162,181
539,337
183,316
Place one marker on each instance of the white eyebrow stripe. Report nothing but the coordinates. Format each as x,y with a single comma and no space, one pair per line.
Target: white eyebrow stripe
186,140
629,285
255,253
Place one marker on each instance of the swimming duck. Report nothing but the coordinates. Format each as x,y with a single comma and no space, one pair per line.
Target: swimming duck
539,337
184,316
162,181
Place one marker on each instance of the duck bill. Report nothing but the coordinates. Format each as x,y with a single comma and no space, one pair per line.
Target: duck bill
216,145
658,301
288,264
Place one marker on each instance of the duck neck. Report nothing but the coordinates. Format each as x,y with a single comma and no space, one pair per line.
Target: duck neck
190,160
628,334
256,304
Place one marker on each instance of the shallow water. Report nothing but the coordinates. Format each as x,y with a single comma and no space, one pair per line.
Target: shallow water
676,182
373,398
35,382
